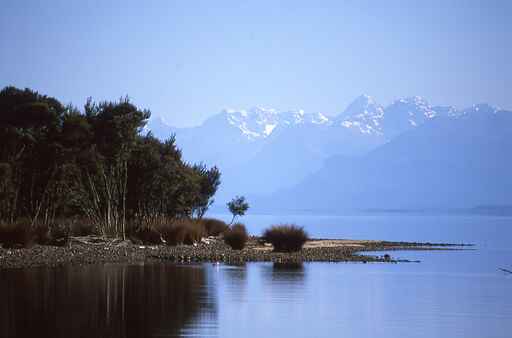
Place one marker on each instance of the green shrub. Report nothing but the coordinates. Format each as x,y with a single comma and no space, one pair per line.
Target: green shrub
238,206
286,238
236,236
214,227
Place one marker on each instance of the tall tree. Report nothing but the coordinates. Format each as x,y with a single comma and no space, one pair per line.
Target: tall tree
115,126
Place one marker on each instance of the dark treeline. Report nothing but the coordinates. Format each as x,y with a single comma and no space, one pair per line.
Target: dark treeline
57,162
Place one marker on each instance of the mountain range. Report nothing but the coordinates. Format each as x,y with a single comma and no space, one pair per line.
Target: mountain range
408,154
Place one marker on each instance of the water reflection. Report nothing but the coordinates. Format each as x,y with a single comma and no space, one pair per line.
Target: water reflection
237,274
284,282
449,294
104,301
288,272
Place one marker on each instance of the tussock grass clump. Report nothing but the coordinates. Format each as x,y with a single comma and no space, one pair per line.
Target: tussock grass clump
147,235
182,231
59,234
42,234
171,231
146,230
286,238
236,236
16,235
21,234
81,227
213,226
54,234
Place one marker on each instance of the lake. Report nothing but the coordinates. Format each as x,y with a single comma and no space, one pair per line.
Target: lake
448,294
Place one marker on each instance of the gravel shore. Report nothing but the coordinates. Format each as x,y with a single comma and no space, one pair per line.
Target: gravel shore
209,250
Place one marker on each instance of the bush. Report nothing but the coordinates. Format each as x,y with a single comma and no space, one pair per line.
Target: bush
59,234
56,234
213,227
146,235
146,230
81,227
236,236
42,234
286,238
182,231
22,235
169,230
16,235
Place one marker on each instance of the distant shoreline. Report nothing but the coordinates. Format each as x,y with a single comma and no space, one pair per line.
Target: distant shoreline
483,210
81,252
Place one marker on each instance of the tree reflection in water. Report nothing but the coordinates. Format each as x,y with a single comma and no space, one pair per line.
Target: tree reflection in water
103,301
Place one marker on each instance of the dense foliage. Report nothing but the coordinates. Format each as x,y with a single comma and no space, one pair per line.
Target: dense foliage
58,162
238,206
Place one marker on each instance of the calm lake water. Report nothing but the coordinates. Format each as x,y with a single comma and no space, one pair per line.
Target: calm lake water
448,294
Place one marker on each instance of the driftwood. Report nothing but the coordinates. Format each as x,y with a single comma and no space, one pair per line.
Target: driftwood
93,240
505,270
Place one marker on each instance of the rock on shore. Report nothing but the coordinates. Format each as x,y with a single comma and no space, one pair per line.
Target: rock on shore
82,252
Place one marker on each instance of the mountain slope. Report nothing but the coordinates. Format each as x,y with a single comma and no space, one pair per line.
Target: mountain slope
261,150
449,161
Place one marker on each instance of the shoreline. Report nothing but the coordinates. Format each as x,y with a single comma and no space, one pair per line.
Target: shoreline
81,251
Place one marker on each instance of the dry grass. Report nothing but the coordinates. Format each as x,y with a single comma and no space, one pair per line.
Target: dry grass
213,227
236,236
81,227
21,234
18,234
286,238
182,231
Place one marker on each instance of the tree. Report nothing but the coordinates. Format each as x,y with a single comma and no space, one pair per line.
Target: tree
237,206
29,125
56,162
116,127
209,181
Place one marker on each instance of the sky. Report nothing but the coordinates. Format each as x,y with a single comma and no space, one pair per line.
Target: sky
187,60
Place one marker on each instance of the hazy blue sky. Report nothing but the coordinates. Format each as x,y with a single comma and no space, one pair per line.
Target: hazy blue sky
186,60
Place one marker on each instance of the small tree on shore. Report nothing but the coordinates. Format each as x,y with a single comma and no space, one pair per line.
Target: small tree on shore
238,206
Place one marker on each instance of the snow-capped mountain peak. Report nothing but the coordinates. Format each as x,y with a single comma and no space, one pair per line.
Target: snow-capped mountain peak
406,113
362,103
159,126
258,122
364,115
415,106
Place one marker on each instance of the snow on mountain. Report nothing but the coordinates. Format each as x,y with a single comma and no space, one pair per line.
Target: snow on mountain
368,117
481,108
405,113
446,111
159,127
364,115
259,123
278,149
458,160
